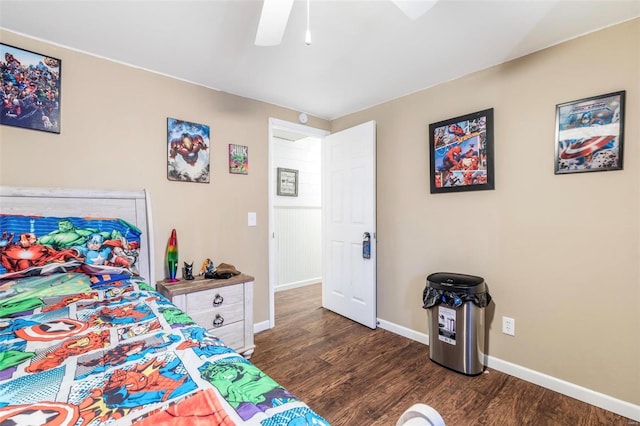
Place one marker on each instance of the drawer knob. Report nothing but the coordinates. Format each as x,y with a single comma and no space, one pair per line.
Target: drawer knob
218,320
217,301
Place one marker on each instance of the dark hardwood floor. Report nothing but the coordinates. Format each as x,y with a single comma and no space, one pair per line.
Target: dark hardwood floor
352,375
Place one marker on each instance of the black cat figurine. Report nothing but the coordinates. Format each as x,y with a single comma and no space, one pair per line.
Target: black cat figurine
187,271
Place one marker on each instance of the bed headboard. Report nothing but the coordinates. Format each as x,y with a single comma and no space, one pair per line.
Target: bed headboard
132,206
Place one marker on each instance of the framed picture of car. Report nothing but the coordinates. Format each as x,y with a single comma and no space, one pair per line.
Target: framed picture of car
461,153
590,134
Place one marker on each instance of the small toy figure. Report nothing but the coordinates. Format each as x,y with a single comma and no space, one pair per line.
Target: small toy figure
187,271
208,269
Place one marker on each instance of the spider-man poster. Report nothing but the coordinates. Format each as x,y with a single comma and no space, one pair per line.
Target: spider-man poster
461,151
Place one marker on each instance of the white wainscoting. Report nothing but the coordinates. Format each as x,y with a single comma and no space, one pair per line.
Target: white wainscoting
298,245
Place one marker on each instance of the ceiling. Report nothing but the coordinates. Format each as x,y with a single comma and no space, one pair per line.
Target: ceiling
363,53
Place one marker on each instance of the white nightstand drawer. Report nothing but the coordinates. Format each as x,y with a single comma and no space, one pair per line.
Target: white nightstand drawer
215,298
219,317
232,335
224,307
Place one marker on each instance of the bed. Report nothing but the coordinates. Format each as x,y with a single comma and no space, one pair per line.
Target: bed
84,338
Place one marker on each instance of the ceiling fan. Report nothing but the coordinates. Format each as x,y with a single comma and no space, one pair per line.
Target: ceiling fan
275,14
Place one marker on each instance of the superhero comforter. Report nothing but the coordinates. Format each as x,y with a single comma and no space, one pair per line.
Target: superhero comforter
80,350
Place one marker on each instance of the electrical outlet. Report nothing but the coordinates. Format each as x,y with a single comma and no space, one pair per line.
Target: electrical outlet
509,326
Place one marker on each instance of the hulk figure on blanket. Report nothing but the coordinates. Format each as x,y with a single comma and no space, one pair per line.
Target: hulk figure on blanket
244,386
67,236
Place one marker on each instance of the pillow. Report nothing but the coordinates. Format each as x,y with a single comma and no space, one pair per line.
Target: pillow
37,245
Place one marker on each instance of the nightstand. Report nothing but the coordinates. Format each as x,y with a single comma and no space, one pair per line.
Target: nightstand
224,307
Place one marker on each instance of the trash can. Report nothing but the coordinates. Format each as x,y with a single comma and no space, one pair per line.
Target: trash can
456,304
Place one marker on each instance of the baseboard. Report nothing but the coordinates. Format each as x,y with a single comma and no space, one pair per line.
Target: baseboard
580,393
290,286
609,403
404,331
261,326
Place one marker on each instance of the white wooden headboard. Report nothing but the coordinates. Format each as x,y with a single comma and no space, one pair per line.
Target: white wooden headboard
132,206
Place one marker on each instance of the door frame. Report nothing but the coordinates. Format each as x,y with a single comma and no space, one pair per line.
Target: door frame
275,123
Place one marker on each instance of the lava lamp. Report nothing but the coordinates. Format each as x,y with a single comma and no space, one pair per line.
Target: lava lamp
172,257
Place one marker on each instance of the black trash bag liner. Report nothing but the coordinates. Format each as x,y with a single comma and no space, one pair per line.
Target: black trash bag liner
433,297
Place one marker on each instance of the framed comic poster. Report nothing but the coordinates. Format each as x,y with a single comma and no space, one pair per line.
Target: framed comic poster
461,153
590,134
238,159
31,89
287,182
187,151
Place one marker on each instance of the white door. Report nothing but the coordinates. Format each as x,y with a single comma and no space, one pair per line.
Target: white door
349,211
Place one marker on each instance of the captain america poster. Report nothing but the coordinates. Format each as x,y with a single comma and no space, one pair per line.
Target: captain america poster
589,134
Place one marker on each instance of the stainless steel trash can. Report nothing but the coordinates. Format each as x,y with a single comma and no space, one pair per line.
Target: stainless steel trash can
456,305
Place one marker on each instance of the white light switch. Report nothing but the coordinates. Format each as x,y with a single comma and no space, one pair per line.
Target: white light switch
251,219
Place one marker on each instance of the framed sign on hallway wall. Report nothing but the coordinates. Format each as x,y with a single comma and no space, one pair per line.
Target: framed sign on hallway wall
287,182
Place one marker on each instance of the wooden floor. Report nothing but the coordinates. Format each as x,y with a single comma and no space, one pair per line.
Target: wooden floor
352,375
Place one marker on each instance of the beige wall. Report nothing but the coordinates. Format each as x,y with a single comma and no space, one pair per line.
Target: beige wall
113,136
560,253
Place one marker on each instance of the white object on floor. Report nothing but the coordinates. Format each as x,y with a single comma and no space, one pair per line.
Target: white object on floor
420,415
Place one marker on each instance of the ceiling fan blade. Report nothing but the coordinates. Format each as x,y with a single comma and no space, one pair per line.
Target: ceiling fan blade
273,22
414,8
